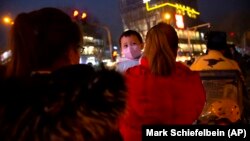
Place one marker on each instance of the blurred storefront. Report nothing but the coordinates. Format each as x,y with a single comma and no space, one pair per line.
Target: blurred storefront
92,51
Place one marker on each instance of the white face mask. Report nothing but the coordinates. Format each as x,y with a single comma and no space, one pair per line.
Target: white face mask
132,52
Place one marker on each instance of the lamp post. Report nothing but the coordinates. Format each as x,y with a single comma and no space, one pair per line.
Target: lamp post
108,36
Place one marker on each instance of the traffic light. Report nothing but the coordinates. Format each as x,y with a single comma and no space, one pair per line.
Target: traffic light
231,34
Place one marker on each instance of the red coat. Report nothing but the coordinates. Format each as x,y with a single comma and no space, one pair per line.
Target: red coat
176,99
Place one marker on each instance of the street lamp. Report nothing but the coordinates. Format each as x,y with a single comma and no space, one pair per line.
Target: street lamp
167,17
108,34
75,13
84,15
8,20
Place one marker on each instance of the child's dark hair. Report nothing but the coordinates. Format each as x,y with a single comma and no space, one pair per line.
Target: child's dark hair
129,33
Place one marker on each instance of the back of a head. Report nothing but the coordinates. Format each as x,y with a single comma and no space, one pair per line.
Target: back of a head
41,37
216,40
161,48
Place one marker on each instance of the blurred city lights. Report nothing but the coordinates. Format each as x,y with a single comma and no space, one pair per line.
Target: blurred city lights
75,13
84,15
8,20
167,16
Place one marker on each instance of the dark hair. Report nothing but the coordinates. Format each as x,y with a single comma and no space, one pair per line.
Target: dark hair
129,33
216,40
39,38
74,103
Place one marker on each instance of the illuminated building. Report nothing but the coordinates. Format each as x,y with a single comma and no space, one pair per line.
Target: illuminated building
92,50
96,38
140,15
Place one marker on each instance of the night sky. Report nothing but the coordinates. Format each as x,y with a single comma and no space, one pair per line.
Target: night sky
215,11
107,11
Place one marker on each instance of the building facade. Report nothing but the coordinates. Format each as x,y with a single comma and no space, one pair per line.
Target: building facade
140,15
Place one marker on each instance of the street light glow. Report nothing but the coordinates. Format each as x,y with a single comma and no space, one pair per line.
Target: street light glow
75,13
84,15
7,20
167,16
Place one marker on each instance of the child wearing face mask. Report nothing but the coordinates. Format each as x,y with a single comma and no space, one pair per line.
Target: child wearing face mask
131,44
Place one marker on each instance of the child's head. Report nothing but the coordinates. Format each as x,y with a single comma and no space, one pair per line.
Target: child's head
131,44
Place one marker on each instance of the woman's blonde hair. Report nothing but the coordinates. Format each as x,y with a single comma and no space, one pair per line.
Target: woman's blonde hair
161,49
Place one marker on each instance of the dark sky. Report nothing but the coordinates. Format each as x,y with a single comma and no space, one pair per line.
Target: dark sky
216,11
107,11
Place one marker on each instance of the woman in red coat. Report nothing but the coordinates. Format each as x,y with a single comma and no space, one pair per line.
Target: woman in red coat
161,90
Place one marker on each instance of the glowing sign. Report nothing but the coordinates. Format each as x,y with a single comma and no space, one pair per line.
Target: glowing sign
180,9
145,1
179,21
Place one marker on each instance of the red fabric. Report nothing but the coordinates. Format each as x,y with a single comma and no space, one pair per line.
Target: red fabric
176,99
